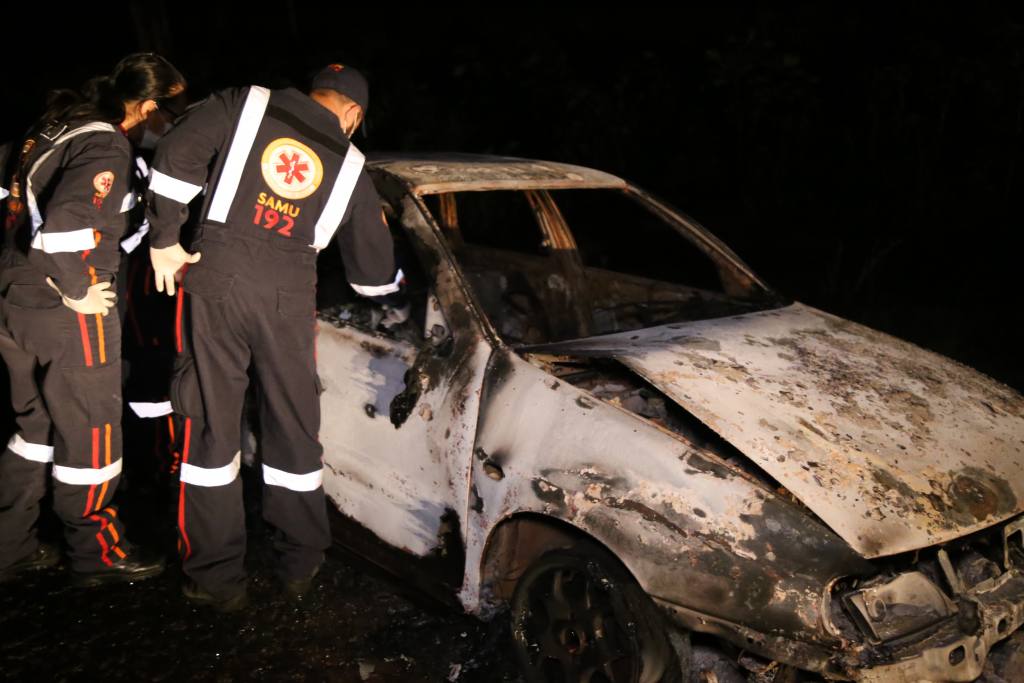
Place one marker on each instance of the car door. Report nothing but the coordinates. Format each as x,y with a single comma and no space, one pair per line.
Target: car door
400,467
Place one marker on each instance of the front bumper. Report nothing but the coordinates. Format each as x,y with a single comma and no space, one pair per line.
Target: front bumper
951,655
946,655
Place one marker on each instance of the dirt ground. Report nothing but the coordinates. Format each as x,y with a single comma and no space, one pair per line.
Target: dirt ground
360,626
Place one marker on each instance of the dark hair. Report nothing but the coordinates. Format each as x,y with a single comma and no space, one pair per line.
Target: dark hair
141,76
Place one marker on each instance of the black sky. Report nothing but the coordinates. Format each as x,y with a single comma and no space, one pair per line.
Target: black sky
864,160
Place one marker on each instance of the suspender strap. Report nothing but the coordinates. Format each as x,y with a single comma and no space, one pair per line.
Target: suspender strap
341,195
241,144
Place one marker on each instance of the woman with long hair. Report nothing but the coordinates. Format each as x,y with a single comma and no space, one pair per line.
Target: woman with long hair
70,192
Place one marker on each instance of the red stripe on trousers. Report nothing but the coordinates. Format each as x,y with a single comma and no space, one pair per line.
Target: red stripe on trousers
105,547
177,318
86,347
181,495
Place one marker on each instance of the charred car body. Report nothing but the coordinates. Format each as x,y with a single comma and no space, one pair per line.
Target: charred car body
620,451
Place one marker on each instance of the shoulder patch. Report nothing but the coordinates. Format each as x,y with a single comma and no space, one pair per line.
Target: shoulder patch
103,182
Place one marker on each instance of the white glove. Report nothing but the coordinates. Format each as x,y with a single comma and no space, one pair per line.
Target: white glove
168,261
98,299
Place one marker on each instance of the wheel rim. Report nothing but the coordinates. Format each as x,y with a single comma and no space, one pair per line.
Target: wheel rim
571,624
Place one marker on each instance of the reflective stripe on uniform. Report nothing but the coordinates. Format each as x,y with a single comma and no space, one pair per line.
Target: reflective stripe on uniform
62,242
151,409
36,452
379,290
128,203
172,188
293,482
86,476
241,144
341,195
130,243
211,476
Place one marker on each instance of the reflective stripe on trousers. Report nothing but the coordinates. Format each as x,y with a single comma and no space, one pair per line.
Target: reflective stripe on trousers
86,476
36,452
211,476
310,481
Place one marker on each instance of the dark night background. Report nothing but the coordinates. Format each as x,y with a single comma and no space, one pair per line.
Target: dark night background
866,161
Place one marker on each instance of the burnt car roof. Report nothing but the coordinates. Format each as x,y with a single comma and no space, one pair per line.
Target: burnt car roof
438,172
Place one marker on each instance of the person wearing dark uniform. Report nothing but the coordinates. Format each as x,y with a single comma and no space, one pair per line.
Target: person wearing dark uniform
149,346
284,179
148,343
64,217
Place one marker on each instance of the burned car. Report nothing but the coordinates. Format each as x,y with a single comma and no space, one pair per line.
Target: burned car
599,423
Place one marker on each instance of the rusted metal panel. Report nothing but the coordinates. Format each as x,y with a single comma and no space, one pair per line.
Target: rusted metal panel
436,173
691,529
363,451
895,447
400,467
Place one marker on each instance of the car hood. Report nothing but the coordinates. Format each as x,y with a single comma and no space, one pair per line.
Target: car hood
894,447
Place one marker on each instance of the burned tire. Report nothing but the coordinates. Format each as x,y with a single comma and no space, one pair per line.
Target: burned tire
579,617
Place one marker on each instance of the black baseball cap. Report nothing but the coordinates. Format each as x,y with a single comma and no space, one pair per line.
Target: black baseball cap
346,80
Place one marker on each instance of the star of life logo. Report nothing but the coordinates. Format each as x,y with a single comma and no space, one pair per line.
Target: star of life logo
291,169
103,182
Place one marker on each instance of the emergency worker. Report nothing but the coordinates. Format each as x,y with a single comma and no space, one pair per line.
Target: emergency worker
68,195
281,177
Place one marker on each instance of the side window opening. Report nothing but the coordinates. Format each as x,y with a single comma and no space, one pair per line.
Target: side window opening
339,304
503,254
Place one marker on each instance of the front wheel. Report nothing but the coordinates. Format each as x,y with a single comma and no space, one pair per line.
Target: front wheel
579,617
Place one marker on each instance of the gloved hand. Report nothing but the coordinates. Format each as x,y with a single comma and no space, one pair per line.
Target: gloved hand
168,261
98,299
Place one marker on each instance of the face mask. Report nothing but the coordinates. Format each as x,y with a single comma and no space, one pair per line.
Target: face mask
350,131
